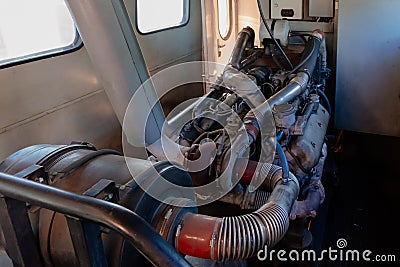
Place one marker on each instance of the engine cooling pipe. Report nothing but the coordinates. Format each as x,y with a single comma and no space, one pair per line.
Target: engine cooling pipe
272,173
246,199
298,84
245,39
256,199
241,237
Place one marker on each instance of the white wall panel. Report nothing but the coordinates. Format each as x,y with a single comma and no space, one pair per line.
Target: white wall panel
368,67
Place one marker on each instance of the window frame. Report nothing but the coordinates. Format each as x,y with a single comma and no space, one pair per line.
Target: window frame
76,45
228,34
62,49
186,7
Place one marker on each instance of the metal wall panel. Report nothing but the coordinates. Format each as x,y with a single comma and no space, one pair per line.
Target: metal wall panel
321,8
90,118
55,101
61,99
32,88
368,67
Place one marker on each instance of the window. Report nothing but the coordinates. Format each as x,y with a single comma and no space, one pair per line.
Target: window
156,15
31,29
224,18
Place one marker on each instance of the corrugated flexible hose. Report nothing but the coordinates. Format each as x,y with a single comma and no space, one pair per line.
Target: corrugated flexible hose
241,237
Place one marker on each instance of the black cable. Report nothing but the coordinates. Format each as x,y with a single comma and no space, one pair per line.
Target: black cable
272,36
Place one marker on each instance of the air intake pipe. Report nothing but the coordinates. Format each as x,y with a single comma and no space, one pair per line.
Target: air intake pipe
296,86
245,39
241,237
306,68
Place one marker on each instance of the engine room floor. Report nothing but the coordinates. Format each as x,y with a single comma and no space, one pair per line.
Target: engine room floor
363,197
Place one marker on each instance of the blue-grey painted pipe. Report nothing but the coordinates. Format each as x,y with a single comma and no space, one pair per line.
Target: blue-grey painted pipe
282,158
284,162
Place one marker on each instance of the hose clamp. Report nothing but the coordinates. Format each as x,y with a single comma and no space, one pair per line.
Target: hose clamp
177,234
214,237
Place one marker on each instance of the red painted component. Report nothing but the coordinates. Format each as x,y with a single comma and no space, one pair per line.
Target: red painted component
252,130
321,32
249,171
197,235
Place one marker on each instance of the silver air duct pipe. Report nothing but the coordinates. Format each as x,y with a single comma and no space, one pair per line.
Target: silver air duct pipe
296,86
299,83
117,57
241,237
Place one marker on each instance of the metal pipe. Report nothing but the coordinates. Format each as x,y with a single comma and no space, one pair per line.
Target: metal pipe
246,199
126,222
323,53
231,76
245,37
295,88
241,237
298,84
308,52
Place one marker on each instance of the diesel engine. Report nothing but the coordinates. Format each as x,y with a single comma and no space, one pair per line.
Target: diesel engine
255,141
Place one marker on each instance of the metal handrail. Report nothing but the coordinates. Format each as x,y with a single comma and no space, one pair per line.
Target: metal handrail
126,222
